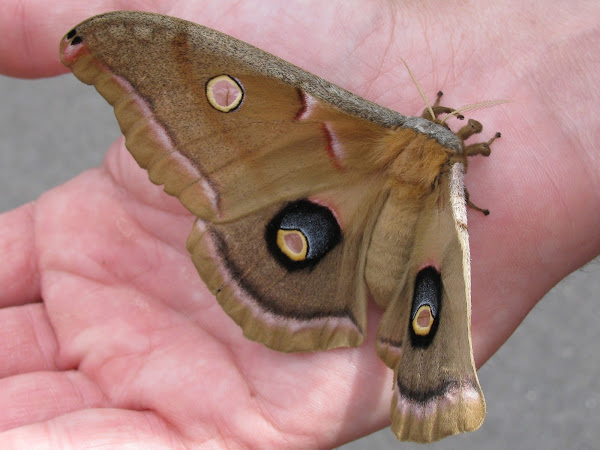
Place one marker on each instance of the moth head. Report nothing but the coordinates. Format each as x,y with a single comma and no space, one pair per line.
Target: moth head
431,113
472,127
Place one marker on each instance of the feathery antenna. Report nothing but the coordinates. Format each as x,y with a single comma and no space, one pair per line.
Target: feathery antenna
421,93
456,112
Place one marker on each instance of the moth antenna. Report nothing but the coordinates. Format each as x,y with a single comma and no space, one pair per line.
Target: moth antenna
474,106
427,105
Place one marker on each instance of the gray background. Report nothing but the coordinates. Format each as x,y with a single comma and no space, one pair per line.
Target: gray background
542,387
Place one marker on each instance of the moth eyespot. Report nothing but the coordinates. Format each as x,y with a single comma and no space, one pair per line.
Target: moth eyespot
224,93
293,244
426,307
301,234
423,321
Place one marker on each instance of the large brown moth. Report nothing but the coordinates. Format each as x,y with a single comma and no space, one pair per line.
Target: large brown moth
308,199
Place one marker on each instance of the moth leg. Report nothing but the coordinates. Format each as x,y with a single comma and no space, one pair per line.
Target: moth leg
472,127
472,205
437,109
483,148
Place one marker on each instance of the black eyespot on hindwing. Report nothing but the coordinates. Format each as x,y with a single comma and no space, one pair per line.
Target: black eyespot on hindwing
426,307
301,234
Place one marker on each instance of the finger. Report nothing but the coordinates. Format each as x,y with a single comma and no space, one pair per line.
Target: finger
100,428
39,396
27,341
31,31
19,277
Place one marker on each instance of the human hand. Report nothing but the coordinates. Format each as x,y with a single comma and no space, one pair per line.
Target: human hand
107,243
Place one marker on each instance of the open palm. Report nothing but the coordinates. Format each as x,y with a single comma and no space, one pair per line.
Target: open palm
108,335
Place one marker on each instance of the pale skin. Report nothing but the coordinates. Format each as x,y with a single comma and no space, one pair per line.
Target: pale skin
107,334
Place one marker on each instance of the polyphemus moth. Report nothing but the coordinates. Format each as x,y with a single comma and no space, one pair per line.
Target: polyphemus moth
307,199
